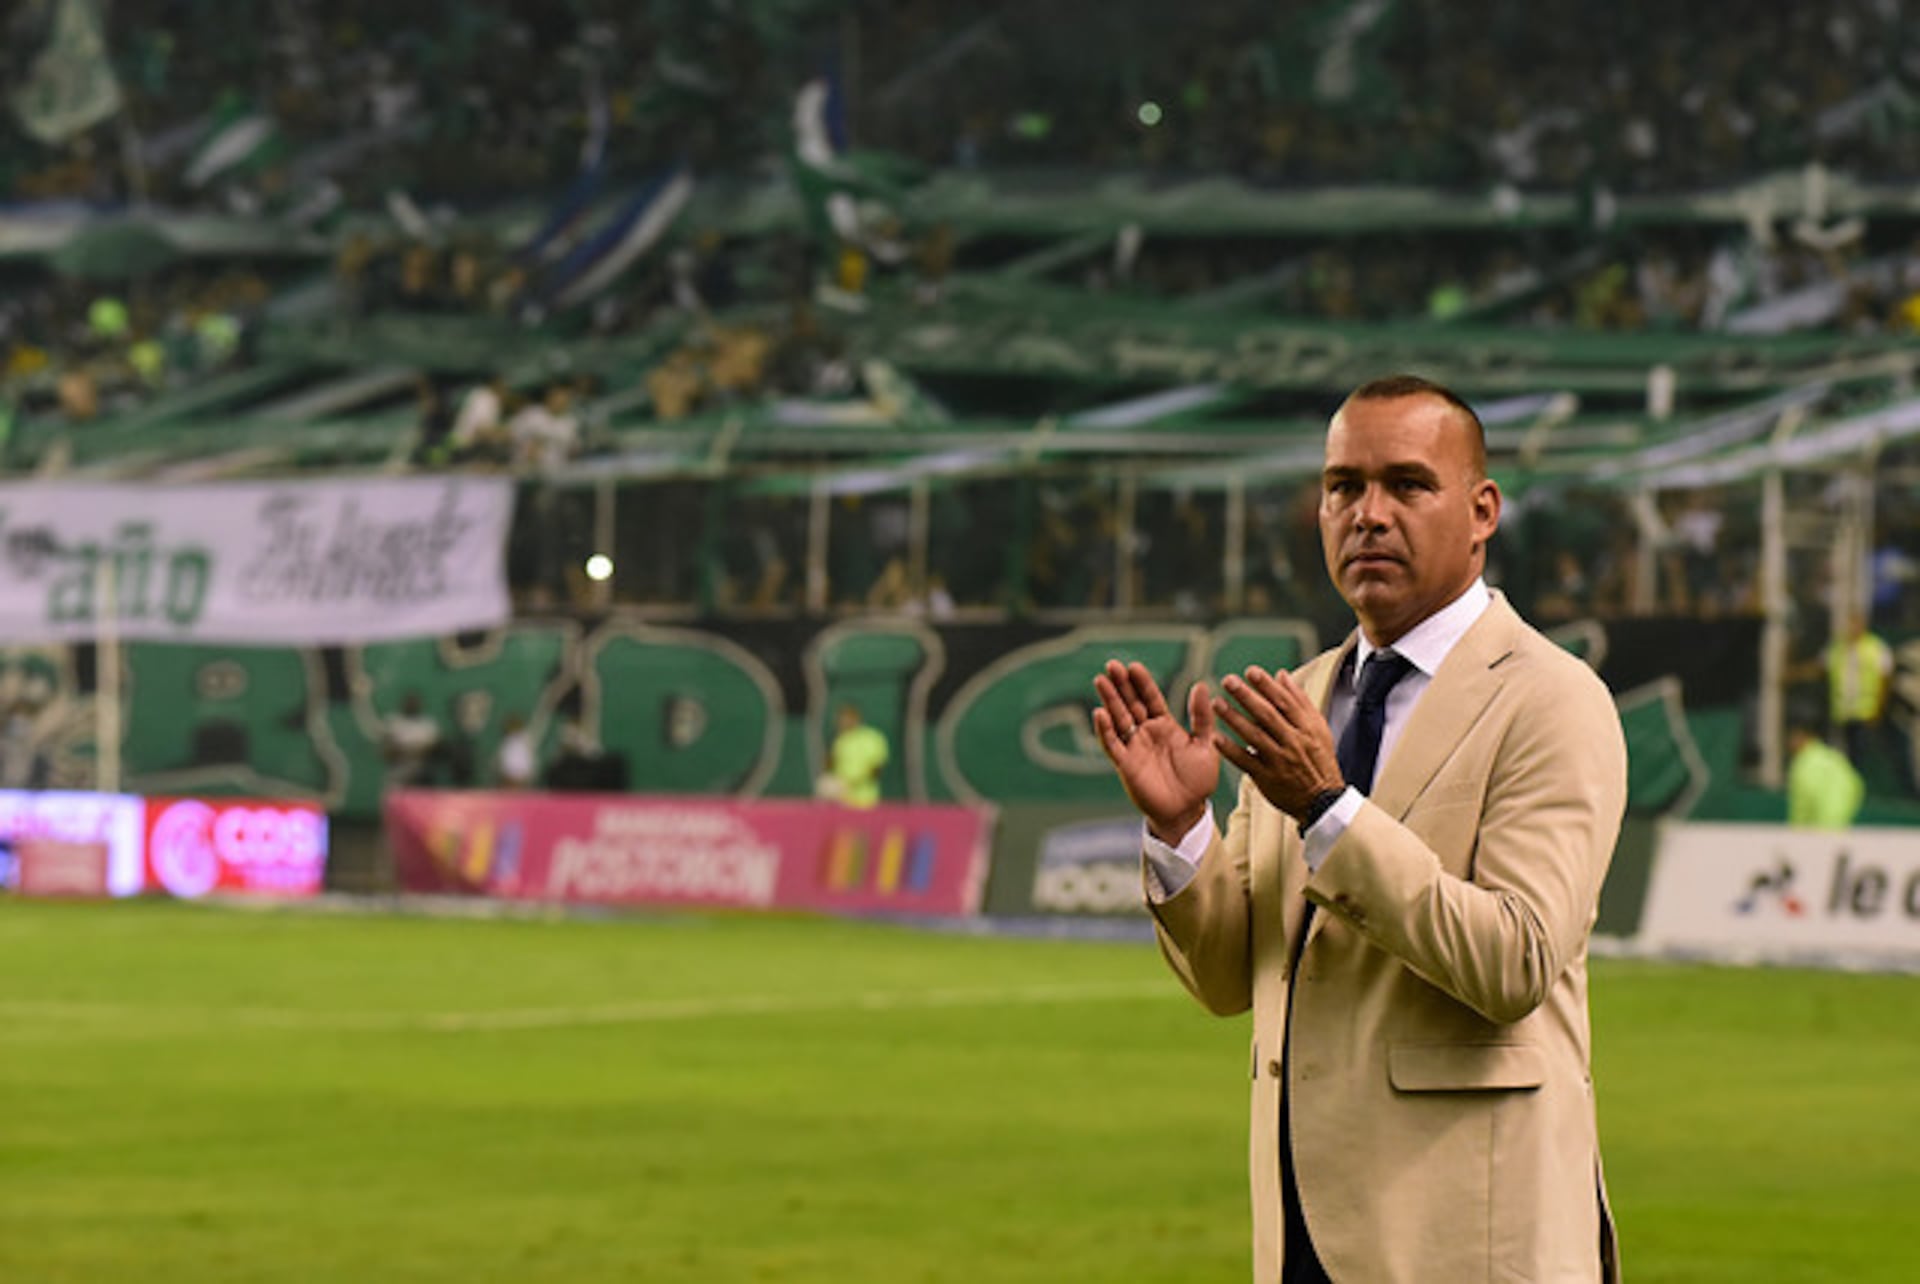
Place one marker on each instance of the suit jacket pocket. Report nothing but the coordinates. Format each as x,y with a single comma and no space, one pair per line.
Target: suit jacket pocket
1465,1067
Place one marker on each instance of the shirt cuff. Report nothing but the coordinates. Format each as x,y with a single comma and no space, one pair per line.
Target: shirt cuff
1326,831
1171,868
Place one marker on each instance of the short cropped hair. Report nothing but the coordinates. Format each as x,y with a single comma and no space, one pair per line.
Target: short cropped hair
1393,387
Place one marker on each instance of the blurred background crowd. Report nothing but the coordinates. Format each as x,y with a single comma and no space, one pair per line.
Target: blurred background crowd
547,238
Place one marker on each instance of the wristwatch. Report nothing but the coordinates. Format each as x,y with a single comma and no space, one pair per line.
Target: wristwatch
1321,804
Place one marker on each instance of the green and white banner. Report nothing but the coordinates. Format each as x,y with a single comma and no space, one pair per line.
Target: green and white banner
312,563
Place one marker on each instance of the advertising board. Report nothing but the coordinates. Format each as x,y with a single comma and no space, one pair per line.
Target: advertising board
1771,892
196,847
706,852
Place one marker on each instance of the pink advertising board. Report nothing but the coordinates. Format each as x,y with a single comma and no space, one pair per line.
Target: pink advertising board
185,847
235,847
697,852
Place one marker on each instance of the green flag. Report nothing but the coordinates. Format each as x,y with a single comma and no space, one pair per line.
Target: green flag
70,85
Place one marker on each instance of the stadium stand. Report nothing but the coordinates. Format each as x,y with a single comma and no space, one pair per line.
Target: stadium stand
614,391
1052,345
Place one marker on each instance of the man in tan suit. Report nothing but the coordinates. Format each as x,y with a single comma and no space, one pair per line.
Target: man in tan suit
1404,892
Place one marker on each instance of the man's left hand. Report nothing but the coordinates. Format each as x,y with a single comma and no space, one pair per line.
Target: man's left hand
1285,747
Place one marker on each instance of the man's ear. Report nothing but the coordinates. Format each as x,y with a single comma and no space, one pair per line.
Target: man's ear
1486,501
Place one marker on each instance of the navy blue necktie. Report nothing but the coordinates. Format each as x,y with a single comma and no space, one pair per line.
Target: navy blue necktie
1359,749
1358,753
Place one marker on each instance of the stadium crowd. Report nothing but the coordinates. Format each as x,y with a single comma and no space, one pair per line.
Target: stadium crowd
1419,91
396,135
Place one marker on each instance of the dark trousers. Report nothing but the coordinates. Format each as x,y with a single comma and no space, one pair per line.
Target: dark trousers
1865,741
1302,1264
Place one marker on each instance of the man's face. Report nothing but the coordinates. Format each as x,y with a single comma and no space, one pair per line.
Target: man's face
1403,515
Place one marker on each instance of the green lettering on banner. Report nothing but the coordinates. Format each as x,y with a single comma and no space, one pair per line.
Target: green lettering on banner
74,589
697,712
691,712
885,670
1020,729
228,719
133,570
188,572
468,690
181,577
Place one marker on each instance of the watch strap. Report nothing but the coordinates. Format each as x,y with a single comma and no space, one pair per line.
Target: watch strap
1322,803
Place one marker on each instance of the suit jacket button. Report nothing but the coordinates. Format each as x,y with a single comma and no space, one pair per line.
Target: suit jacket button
1273,1068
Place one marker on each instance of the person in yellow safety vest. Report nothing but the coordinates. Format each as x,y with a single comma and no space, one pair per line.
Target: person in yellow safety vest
854,762
1859,679
1823,789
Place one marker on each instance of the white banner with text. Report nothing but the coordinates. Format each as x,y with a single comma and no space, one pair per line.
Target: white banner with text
344,560
1766,891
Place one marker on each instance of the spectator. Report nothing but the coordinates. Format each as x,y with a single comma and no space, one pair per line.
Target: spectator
1823,789
479,431
674,386
854,761
584,765
456,757
893,590
79,396
410,742
545,434
1859,680
940,604
1893,573
350,272
23,764
433,423
516,762
739,359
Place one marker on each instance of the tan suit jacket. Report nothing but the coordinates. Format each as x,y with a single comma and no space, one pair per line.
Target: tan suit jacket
1443,1115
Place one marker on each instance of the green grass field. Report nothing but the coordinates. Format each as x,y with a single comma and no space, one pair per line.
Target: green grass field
195,1094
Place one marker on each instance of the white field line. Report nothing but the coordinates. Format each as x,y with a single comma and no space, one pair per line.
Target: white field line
137,1018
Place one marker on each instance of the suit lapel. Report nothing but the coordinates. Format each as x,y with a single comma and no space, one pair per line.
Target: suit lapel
1468,679
1318,682
1319,679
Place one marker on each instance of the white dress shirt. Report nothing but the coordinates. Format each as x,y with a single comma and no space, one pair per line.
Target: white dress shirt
1425,645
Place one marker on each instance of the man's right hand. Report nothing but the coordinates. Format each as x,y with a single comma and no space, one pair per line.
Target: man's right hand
1168,770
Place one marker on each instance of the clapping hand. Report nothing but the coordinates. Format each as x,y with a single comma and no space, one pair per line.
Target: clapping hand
1168,770
1285,746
